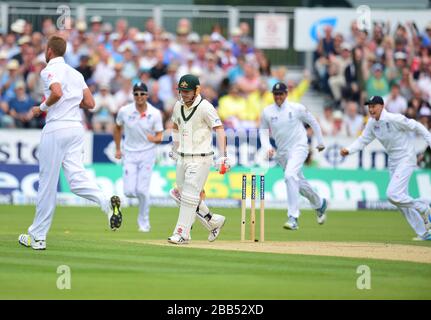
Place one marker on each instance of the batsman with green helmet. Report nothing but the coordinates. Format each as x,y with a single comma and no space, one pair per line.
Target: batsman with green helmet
194,121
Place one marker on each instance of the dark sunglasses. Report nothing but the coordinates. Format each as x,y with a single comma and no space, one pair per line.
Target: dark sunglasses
139,94
278,93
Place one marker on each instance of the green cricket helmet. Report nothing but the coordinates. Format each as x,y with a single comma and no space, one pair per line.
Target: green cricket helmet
188,82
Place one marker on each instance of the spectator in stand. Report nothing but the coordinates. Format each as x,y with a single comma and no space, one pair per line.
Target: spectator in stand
84,68
104,71
237,71
153,97
194,42
160,68
327,121
130,69
9,80
149,59
169,54
96,32
34,81
24,44
124,96
189,67
73,53
406,84
37,42
336,71
424,117
168,85
20,108
104,110
117,81
212,74
6,121
232,108
297,90
260,98
424,82
354,77
376,83
338,127
227,60
353,121
249,82
3,64
394,101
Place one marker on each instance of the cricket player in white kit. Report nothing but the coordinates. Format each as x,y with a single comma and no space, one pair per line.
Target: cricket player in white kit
394,131
61,145
194,121
139,120
285,122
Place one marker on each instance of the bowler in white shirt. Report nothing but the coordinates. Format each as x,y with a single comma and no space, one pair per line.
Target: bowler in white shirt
61,145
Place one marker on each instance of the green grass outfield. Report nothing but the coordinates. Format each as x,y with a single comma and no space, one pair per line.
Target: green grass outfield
104,266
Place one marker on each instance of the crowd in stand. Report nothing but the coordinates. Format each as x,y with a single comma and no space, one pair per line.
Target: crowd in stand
394,63
235,76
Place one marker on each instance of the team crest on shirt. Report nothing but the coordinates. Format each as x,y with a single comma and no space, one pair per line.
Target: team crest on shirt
388,127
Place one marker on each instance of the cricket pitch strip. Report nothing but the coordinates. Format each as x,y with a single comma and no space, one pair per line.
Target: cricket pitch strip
382,251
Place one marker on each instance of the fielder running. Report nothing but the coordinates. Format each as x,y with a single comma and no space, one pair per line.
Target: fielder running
194,120
139,120
61,145
285,122
394,131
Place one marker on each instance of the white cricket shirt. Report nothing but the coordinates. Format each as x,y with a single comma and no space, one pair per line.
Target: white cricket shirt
137,126
65,113
394,133
286,125
195,126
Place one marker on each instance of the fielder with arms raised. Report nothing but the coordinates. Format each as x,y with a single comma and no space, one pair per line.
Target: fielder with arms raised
285,122
194,121
394,131
61,145
143,129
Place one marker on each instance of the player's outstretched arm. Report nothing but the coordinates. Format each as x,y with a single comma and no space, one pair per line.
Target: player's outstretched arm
366,137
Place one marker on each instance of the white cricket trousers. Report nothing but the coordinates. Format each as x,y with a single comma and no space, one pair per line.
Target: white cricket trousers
296,184
137,171
192,174
62,148
397,194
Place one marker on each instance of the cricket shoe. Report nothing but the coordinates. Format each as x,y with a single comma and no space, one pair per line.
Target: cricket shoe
321,212
291,224
27,241
218,224
425,237
115,217
177,239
